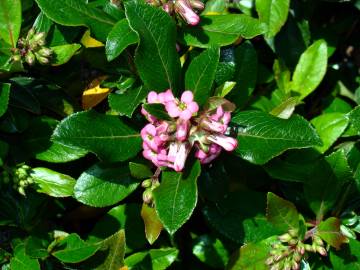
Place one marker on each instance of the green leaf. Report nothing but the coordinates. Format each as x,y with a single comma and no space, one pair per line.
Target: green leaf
252,256
200,75
36,246
262,137
73,250
286,108
310,69
281,213
274,13
21,261
324,184
115,246
140,171
77,13
127,217
156,58
355,118
4,97
10,21
329,231
119,38
221,30
210,251
176,197
329,126
157,110
52,183
346,258
92,187
37,142
282,75
126,103
239,215
63,53
107,137
245,73
153,225
159,259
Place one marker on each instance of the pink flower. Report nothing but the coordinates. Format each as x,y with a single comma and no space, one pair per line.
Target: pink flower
181,155
184,108
148,116
150,138
162,97
183,8
213,125
182,130
214,152
228,143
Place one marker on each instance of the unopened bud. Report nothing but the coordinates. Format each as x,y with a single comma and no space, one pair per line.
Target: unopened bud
321,251
30,34
308,247
29,180
285,237
146,183
318,241
147,196
42,60
30,58
293,242
297,257
197,4
269,261
22,183
38,40
295,265
294,232
46,52
16,58
21,190
300,249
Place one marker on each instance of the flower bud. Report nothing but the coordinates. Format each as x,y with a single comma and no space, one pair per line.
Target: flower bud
294,232
147,196
293,242
42,60
295,265
16,58
269,261
146,183
30,34
285,237
318,241
197,4
30,58
183,8
21,190
321,251
39,38
45,52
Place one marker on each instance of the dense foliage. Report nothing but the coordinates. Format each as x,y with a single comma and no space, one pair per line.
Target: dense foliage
277,187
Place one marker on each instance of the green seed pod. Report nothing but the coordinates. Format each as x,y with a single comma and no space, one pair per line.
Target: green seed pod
30,58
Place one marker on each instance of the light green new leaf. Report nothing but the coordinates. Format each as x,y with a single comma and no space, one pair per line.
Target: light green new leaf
63,53
176,197
109,138
159,259
92,187
156,58
281,213
52,183
119,38
153,225
21,261
355,119
262,136
310,69
10,21
200,75
329,126
274,13
78,13
221,30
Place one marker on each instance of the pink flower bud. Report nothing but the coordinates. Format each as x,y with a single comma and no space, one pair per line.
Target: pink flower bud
213,126
197,4
183,151
228,143
182,130
183,8
166,96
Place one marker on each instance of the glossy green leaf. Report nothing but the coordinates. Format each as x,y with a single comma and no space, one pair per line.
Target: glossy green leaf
210,251
21,261
52,183
111,140
252,256
221,30
10,21
329,126
329,231
274,13
245,74
286,108
310,69
282,75
42,23
37,143
36,246
347,257
126,103
92,187
63,53
262,137
158,110
176,197
73,249
119,38
22,96
200,75
355,118
325,182
159,259
77,13
153,225
140,171
281,213
4,97
115,249
160,69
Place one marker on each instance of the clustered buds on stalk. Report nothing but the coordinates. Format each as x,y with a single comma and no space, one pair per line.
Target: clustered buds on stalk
21,178
287,253
32,48
168,142
186,9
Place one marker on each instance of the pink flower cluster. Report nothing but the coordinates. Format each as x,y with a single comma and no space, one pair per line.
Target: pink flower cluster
168,143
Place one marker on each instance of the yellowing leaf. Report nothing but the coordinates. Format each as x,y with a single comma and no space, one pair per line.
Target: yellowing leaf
95,94
90,42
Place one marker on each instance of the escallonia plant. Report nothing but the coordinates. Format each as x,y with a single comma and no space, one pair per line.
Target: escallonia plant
179,134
